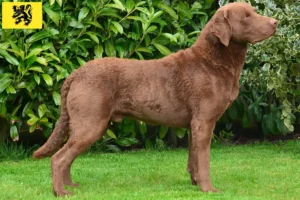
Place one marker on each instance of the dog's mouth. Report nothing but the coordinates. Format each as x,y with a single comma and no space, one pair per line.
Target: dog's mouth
264,37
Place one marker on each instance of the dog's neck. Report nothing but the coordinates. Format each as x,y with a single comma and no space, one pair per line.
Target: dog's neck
231,58
210,47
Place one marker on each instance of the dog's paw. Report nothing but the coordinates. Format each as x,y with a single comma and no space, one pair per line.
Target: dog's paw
72,184
61,193
213,190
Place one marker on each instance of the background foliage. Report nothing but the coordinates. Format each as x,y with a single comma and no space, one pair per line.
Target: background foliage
34,63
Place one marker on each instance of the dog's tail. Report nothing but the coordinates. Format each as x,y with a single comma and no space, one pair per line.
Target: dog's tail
61,130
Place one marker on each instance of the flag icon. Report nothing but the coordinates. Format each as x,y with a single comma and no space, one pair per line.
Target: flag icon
22,15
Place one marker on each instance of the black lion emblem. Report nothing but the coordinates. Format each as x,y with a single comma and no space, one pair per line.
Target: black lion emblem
22,12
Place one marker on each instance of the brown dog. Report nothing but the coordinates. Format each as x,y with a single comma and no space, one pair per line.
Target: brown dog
190,88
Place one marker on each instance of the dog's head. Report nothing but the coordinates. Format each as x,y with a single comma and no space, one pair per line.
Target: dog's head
239,22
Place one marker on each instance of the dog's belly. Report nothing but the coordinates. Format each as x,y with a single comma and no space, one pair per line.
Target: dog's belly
172,118
171,121
154,113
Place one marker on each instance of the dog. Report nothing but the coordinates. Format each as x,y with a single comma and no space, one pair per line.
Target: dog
190,88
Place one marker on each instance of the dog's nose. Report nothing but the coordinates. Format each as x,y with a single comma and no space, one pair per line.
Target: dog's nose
273,22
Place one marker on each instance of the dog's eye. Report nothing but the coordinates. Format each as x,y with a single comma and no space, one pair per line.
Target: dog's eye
247,15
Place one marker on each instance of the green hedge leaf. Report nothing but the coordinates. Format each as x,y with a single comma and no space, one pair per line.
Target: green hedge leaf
94,23
169,10
156,15
117,5
163,131
180,132
18,53
76,24
38,36
93,36
59,2
51,2
37,78
29,61
162,49
140,55
143,128
56,98
41,60
32,120
14,134
30,85
80,61
54,16
4,81
109,12
9,57
137,18
118,26
222,2
98,50
151,29
3,109
144,49
51,56
109,49
111,134
129,5
44,120
37,69
140,3
35,51
32,128
11,90
83,13
47,79
171,37
42,109
4,45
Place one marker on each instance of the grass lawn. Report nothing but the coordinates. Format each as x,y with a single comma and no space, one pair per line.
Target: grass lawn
255,171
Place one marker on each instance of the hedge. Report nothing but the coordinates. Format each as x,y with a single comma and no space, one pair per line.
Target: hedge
34,63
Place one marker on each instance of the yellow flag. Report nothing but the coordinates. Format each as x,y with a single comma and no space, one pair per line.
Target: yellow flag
21,15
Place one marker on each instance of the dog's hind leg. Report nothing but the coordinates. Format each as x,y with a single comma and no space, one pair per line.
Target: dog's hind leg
191,167
67,176
89,116
61,162
191,161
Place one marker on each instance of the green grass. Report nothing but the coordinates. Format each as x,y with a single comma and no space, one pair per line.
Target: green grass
255,171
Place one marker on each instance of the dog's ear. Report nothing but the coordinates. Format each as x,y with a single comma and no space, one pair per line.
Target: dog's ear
221,27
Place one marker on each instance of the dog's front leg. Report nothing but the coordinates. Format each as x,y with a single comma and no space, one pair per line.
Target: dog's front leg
201,132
